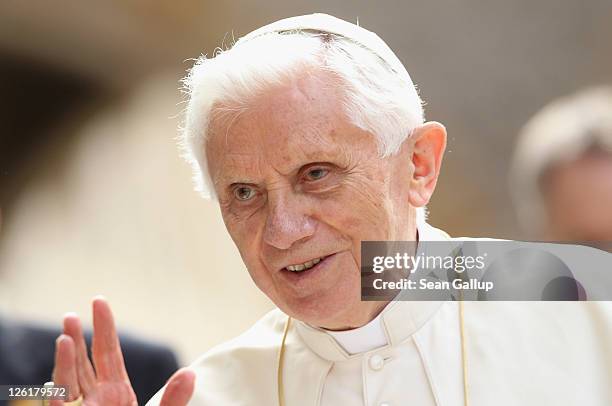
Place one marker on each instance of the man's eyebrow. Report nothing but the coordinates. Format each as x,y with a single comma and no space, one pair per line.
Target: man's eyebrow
340,158
224,175
229,181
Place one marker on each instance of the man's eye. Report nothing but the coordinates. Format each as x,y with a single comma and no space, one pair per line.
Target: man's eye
244,193
316,174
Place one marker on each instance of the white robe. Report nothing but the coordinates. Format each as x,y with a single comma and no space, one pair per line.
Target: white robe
517,353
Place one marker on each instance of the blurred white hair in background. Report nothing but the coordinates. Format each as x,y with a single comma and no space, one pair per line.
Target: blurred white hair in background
562,131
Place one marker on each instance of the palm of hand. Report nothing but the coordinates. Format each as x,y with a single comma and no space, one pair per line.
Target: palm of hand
108,383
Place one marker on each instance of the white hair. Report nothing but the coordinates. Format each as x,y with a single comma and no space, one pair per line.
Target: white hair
377,99
562,131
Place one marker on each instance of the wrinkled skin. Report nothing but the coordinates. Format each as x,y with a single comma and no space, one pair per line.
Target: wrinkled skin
297,181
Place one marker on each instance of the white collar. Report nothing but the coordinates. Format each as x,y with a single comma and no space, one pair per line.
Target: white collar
362,339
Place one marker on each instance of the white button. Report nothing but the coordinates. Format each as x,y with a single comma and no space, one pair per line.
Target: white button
385,404
376,362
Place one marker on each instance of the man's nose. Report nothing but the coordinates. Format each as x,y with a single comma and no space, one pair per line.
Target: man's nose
288,221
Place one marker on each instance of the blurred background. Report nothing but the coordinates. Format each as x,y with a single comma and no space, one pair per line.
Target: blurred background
95,199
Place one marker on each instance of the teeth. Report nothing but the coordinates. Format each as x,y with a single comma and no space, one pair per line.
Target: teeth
305,265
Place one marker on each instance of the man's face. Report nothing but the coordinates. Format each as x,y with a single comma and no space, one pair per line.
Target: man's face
299,186
578,197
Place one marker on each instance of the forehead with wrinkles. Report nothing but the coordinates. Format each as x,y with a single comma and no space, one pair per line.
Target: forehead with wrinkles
298,121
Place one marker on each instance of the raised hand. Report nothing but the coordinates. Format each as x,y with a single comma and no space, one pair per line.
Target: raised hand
106,381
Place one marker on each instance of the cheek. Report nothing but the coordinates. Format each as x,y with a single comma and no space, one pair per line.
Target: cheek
248,242
246,236
356,212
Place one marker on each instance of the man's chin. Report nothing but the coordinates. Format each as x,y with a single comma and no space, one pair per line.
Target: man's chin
325,312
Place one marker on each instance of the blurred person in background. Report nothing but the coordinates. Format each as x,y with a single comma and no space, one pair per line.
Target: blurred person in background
561,177
311,135
27,358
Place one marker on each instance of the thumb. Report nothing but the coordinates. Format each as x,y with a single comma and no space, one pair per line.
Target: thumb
179,388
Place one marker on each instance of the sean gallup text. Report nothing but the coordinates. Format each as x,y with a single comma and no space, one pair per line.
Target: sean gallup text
428,284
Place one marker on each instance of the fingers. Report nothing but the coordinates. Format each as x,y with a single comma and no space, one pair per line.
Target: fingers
106,351
179,388
85,371
65,371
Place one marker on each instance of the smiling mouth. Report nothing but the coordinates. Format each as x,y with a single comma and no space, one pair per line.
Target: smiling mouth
297,268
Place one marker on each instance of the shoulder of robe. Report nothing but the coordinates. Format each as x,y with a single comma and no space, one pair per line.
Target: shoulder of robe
241,370
260,341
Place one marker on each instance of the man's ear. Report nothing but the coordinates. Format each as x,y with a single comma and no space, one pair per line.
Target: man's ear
429,143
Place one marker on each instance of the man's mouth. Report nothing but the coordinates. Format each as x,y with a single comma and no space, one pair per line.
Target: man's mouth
304,266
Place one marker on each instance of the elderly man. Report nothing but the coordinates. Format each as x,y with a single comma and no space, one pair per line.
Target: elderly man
563,169
310,134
